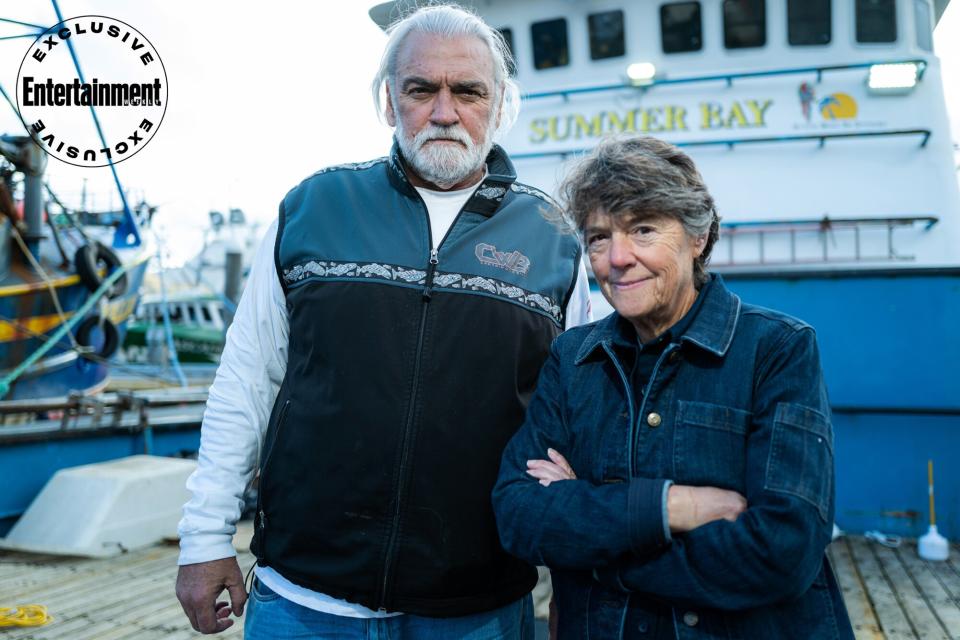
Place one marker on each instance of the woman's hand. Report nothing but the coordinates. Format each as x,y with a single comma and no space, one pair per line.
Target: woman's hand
553,470
692,507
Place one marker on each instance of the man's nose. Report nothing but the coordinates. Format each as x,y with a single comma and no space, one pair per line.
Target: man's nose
444,109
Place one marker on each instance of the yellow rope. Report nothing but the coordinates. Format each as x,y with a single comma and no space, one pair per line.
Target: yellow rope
29,615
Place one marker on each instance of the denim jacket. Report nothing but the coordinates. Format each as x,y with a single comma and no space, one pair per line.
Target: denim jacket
737,402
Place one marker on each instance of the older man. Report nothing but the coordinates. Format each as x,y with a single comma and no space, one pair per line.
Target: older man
395,321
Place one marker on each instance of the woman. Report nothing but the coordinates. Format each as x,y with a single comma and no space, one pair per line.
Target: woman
675,470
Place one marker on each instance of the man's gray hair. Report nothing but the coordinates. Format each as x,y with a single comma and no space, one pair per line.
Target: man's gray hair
451,21
637,176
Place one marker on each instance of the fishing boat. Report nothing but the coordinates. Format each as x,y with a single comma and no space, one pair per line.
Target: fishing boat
821,128
199,297
198,323
69,281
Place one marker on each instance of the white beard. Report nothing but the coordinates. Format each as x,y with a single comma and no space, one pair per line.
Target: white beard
443,163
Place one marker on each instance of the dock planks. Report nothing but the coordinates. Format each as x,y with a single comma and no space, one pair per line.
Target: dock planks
891,594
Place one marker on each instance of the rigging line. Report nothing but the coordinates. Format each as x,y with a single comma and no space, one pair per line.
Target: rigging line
25,24
46,279
165,308
67,211
23,35
96,122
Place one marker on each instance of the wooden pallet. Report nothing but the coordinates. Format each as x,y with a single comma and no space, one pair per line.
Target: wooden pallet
890,593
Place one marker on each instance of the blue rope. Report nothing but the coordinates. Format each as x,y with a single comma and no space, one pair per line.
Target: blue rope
24,35
24,24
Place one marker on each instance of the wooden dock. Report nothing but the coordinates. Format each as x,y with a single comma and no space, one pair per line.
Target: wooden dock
890,593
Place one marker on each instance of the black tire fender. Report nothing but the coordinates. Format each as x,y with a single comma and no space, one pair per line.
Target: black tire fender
111,337
90,259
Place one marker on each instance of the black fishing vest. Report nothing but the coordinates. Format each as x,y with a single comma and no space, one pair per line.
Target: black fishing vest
410,367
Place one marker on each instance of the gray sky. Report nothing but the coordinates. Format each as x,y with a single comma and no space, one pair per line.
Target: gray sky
261,96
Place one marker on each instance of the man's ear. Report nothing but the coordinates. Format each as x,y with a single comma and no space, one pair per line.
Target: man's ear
389,113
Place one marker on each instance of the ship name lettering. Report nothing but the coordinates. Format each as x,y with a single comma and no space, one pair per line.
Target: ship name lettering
714,116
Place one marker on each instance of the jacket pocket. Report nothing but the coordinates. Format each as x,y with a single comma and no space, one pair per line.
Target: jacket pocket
801,456
710,445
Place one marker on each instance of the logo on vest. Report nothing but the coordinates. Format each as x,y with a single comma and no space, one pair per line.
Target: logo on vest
513,261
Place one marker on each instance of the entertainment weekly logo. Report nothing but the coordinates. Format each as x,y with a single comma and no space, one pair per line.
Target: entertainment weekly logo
123,80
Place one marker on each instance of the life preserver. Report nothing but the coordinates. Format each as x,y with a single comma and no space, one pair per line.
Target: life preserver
111,337
90,259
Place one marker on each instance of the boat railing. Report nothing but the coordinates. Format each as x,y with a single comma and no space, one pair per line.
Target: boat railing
820,138
729,78
816,241
137,412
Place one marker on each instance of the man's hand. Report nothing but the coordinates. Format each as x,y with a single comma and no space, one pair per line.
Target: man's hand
199,585
552,470
692,507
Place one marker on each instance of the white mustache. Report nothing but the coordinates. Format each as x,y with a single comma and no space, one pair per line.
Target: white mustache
434,132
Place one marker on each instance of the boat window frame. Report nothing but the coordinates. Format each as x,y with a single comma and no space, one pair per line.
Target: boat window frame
829,14
663,41
762,22
874,43
566,43
623,34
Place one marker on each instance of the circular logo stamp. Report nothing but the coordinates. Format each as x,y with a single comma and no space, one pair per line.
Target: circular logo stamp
92,63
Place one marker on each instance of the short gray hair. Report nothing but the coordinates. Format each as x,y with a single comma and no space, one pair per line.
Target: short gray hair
640,175
451,21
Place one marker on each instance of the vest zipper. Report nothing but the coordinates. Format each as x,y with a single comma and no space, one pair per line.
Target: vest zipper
262,518
426,295
406,442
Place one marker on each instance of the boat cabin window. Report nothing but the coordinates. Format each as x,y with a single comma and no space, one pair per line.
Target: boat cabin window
924,31
680,28
507,34
192,314
808,22
606,35
205,310
876,21
176,313
744,23
550,47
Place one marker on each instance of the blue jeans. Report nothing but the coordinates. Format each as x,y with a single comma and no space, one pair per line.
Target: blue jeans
270,617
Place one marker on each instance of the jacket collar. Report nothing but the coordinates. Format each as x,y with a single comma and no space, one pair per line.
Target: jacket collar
712,329
487,197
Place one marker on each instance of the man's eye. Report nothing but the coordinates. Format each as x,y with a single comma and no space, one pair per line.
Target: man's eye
642,230
594,239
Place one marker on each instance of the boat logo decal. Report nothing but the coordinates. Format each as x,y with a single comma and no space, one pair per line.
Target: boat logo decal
834,106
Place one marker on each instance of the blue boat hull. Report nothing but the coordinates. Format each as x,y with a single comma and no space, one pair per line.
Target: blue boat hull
891,356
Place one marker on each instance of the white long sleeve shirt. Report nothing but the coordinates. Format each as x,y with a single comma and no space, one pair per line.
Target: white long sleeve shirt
243,393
